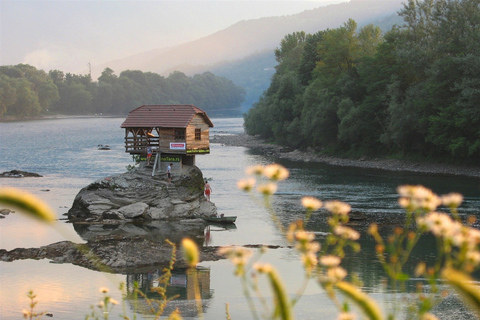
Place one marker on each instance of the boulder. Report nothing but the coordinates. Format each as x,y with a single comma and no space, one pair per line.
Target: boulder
137,195
18,174
6,211
133,210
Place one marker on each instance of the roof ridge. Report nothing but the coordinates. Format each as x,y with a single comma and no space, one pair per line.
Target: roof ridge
162,115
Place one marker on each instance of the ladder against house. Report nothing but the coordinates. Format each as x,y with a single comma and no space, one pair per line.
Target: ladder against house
156,162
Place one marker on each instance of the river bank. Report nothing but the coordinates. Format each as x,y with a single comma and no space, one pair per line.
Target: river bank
58,116
244,140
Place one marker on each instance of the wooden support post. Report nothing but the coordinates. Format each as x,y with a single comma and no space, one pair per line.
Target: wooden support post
157,159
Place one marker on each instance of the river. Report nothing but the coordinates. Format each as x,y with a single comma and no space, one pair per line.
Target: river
65,152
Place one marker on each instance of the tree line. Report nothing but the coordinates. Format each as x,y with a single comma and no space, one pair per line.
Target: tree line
414,90
26,92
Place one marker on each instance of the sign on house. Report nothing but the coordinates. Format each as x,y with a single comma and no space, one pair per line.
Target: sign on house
177,145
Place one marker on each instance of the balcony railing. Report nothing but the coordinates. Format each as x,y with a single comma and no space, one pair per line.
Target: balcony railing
138,145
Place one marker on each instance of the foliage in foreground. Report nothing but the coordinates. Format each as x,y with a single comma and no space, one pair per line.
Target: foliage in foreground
458,252
458,256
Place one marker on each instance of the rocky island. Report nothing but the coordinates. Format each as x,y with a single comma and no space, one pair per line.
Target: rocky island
126,219
136,195
18,174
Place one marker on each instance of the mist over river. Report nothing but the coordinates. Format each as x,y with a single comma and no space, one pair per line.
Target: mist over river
65,152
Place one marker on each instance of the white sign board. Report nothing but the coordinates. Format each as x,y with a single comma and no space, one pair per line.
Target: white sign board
178,146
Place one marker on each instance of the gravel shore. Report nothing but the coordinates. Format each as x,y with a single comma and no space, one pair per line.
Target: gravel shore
244,140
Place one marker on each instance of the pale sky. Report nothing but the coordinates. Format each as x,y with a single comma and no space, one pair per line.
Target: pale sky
68,35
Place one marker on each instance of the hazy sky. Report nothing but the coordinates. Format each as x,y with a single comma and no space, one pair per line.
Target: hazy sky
67,35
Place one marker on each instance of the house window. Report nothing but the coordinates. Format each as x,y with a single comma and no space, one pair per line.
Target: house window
180,134
198,134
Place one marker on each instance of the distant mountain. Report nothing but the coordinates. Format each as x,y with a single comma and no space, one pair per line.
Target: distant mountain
243,52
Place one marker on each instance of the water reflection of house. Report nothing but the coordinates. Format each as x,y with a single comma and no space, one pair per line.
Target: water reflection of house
181,284
176,133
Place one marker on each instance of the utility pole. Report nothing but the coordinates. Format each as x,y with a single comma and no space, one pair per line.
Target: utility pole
89,70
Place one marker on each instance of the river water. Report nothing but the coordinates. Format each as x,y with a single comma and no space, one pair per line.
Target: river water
65,152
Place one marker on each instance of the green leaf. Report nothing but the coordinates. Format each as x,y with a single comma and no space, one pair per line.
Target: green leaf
465,286
368,306
403,277
27,203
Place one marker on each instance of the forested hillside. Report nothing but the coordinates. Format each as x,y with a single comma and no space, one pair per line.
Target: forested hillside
248,37
26,92
414,90
239,52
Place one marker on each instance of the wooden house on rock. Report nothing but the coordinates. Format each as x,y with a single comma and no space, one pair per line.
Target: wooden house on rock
176,133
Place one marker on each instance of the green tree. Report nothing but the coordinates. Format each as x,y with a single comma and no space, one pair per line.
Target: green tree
102,102
339,51
34,90
156,85
414,90
453,82
310,57
257,121
107,76
57,76
319,117
289,43
26,103
7,94
127,95
178,84
47,95
77,99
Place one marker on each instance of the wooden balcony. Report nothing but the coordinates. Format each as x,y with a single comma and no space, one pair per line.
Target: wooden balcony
138,145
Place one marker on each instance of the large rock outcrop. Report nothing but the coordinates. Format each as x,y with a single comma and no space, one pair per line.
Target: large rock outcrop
126,219
137,195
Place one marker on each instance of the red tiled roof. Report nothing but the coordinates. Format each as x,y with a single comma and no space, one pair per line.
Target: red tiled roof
166,116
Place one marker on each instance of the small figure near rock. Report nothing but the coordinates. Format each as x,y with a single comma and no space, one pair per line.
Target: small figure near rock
208,190
149,154
169,173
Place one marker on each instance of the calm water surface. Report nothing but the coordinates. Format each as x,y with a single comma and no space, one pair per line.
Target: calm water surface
65,152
